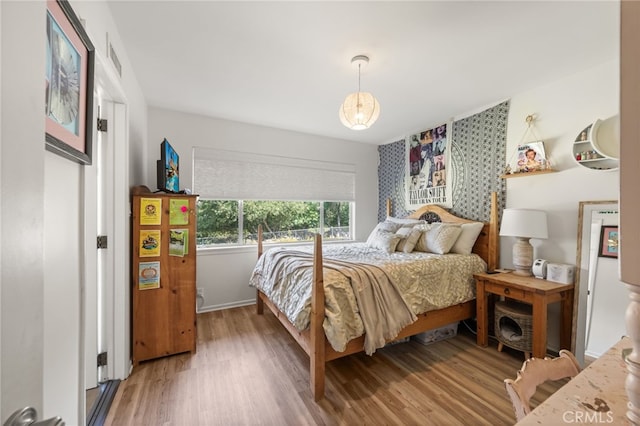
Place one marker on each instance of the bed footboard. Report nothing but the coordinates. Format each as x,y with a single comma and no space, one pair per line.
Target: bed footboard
313,341
259,302
317,344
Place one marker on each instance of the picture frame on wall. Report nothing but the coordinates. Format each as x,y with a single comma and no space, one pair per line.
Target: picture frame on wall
608,241
69,80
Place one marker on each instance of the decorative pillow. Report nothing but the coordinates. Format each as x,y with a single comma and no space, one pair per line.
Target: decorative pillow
439,239
468,236
385,226
408,239
421,244
404,221
384,240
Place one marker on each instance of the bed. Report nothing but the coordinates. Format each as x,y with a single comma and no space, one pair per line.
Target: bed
310,328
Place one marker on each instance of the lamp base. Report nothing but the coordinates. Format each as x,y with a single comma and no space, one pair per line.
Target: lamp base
522,257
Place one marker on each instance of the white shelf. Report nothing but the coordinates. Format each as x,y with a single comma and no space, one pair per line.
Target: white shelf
590,147
591,160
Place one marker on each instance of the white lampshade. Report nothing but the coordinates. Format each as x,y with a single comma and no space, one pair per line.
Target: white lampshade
524,223
359,110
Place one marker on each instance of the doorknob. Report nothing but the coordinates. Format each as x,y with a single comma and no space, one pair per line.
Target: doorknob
28,416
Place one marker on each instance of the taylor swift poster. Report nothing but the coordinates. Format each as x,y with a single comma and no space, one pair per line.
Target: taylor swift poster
427,171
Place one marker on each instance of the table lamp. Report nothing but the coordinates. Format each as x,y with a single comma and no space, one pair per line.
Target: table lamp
523,224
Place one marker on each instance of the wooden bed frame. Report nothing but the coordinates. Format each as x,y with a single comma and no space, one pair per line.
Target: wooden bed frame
313,340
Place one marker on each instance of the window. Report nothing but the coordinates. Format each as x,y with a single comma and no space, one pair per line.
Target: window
239,191
282,221
217,222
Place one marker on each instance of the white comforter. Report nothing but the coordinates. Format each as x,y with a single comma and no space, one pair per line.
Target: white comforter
426,281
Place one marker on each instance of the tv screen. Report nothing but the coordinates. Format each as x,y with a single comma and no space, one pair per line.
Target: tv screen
168,168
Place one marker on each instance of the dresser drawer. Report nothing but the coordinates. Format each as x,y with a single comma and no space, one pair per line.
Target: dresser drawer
509,291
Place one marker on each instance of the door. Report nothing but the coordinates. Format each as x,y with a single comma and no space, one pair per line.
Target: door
99,260
106,283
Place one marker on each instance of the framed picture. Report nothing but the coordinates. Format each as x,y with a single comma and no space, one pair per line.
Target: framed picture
608,241
69,84
531,157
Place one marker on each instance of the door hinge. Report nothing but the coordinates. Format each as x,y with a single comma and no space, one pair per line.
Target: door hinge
102,124
102,359
102,241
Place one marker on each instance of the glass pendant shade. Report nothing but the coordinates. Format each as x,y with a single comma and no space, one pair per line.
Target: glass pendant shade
359,110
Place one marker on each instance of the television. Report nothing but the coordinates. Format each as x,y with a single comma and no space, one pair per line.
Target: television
168,167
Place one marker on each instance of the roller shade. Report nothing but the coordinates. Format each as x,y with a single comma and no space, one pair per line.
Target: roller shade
232,175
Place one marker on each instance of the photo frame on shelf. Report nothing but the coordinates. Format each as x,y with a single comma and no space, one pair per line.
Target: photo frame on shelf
608,241
69,79
531,157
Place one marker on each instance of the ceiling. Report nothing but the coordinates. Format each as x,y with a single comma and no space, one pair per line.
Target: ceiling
288,64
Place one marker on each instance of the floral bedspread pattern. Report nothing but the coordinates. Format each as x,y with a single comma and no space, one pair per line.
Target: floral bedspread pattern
426,281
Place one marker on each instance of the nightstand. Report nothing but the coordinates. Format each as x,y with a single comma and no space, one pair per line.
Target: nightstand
539,293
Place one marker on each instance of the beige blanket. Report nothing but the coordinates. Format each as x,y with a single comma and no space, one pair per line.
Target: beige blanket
426,282
382,308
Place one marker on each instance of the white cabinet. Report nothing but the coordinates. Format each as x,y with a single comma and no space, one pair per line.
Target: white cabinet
596,147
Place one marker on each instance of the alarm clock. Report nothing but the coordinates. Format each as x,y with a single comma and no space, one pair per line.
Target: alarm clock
539,268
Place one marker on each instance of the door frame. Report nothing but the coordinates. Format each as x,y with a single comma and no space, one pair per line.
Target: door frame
108,87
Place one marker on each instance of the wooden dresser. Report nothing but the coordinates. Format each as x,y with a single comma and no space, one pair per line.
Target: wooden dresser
164,275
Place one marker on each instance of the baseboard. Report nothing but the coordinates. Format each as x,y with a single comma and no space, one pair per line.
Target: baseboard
100,408
237,304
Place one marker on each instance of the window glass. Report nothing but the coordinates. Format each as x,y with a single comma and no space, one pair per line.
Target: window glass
282,221
336,220
224,221
217,222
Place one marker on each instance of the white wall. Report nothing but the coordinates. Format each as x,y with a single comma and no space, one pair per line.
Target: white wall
42,234
562,108
224,273
99,22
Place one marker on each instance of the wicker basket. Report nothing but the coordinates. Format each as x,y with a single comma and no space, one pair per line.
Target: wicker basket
513,325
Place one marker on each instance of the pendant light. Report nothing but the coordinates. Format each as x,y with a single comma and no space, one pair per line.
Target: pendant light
361,109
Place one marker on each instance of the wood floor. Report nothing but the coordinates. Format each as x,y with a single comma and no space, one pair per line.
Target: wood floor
249,371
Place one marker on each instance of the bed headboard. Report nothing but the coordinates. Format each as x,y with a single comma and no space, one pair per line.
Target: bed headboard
487,244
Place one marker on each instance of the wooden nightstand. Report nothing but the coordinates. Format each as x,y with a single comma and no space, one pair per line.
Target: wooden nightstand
534,291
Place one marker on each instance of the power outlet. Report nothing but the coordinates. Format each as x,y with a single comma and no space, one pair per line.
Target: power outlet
200,292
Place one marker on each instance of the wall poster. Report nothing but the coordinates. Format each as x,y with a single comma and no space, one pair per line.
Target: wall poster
428,169
178,242
150,211
150,243
148,275
178,211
